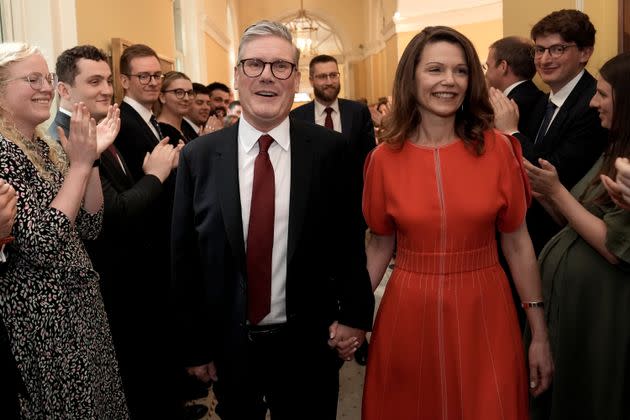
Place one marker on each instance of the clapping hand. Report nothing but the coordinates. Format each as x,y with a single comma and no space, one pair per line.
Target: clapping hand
506,114
544,180
8,208
619,190
107,129
80,145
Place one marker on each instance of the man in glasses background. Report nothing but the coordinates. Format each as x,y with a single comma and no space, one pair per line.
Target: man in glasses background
268,258
351,119
568,133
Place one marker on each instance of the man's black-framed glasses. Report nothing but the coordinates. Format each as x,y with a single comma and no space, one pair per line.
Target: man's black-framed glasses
145,78
181,93
555,50
253,67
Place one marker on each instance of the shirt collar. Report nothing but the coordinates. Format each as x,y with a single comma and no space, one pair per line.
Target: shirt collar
510,88
321,109
248,135
560,96
65,111
144,112
192,124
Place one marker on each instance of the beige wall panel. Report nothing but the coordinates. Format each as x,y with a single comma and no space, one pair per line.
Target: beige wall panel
482,34
142,21
216,13
216,57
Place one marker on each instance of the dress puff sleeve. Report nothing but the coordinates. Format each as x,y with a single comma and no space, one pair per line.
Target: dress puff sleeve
375,194
513,184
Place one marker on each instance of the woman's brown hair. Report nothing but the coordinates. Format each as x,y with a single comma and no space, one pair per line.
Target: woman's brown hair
472,119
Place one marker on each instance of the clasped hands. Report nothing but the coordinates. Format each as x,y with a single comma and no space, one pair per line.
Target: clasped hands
345,339
619,190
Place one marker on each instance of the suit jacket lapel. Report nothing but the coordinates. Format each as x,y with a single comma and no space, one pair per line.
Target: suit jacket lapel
576,94
227,184
301,173
346,118
310,112
145,127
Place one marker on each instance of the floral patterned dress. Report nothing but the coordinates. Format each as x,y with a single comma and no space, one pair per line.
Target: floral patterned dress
51,302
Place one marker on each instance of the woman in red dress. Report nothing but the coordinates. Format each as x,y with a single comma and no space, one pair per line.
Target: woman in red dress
446,342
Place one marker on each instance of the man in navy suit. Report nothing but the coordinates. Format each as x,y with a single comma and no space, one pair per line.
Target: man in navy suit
568,133
351,119
510,69
268,261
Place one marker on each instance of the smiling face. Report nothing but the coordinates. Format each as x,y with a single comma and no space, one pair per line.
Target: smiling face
144,94
92,86
603,102
219,98
327,89
441,79
26,107
200,108
170,102
558,71
266,100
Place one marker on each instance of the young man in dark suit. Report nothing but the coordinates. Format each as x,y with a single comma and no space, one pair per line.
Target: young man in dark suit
84,76
351,119
268,261
568,134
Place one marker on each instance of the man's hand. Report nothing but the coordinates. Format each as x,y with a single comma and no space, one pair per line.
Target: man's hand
8,208
107,129
205,373
345,339
506,113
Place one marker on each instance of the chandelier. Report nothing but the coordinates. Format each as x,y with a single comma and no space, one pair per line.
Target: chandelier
304,31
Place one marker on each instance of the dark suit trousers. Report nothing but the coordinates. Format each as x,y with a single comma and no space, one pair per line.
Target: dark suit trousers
293,377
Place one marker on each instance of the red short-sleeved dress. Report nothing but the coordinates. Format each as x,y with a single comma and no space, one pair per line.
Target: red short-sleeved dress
446,341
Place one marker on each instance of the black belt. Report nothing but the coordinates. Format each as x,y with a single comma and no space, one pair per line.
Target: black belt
257,333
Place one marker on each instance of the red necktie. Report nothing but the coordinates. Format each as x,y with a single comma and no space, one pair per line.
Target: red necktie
260,235
328,123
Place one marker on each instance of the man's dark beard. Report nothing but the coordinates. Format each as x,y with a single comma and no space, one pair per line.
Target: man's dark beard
323,96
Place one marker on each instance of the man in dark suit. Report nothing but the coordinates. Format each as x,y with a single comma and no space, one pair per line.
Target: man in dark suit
351,119
568,134
510,69
84,76
268,261
200,106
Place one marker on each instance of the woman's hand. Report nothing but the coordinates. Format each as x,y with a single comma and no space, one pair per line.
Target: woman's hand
544,180
160,162
107,129
80,146
540,366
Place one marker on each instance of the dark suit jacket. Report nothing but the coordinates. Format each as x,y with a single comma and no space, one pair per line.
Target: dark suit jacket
357,128
326,275
574,141
527,96
189,131
61,120
134,139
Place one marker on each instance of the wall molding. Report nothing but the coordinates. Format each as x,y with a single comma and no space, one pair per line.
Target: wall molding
215,33
480,12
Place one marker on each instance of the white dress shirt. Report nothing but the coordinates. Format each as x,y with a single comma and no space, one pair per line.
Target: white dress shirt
560,97
320,114
144,112
193,125
280,156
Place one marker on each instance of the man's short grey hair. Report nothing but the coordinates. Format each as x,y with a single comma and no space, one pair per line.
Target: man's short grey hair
267,28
